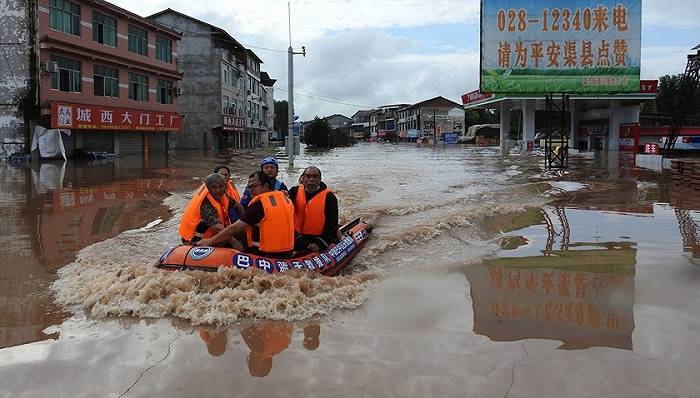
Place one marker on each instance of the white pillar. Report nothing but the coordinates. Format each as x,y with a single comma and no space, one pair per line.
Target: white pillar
614,126
528,124
504,126
574,125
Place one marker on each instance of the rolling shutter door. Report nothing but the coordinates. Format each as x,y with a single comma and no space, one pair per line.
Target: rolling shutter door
98,141
156,142
130,143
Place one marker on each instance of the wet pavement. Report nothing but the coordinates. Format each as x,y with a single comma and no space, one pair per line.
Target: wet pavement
483,278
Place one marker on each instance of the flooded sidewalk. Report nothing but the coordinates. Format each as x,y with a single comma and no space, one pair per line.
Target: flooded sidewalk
481,279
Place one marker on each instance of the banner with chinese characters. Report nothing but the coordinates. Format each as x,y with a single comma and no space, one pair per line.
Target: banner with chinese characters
232,123
560,46
98,117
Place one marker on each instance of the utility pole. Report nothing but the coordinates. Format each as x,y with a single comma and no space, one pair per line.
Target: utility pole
290,146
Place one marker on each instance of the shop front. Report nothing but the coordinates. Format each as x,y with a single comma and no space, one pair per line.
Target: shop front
118,131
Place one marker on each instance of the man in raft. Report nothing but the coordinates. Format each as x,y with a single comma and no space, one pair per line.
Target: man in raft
268,222
207,212
315,212
270,167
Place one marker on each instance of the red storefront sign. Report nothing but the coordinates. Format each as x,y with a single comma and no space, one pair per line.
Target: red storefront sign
649,86
98,117
629,137
474,96
232,123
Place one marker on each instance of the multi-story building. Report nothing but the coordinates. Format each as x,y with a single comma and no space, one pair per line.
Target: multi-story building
254,96
108,75
427,118
268,114
221,100
360,124
383,122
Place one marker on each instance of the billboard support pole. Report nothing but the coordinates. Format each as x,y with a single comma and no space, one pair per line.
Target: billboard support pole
556,157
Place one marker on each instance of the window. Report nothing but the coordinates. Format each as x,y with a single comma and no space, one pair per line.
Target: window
232,108
165,91
138,40
138,87
224,105
104,29
227,78
106,81
68,76
64,16
164,49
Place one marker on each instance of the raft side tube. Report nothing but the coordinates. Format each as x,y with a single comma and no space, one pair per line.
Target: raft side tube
328,262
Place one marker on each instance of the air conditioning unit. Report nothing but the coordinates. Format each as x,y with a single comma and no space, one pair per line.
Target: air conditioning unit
48,66
178,91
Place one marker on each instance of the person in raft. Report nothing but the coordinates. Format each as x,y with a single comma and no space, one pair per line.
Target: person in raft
270,167
315,212
268,222
235,209
207,212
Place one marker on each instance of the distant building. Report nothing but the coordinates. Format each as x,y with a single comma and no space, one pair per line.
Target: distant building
222,96
383,122
268,115
337,121
426,118
360,124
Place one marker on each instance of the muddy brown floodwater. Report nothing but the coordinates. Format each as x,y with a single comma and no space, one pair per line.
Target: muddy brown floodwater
484,277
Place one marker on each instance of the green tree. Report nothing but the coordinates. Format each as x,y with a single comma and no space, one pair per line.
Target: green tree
471,117
667,100
281,117
318,133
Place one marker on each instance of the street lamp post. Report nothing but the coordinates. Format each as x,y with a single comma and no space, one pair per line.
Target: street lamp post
290,145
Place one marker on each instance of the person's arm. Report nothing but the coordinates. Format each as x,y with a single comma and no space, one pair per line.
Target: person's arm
239,209
330,229
225,234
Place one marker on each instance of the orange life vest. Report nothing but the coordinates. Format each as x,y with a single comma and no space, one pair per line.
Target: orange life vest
232,191
192,215
310,217
276,229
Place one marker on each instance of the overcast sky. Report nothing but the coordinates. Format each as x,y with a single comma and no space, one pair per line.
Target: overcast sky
365,53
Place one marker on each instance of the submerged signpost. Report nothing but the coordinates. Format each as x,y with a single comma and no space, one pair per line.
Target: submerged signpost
550,47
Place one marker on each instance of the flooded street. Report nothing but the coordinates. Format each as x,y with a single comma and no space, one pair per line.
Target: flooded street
483,277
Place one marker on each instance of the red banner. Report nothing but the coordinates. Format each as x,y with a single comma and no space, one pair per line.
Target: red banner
232,123
98,117
474,96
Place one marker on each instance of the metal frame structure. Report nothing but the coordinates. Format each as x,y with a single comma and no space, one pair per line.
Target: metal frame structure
556,154
686,92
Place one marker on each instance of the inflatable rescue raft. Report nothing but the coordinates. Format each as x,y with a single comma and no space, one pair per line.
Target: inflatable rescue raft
328,262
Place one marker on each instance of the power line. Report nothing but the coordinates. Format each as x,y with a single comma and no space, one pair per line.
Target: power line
265,48
325,99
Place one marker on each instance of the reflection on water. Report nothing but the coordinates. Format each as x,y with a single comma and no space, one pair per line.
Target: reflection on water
264,340
582,297
579,293
48,212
